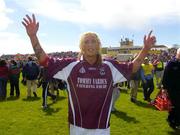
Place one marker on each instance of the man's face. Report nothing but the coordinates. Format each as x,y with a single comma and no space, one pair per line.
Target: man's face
90,45
146,61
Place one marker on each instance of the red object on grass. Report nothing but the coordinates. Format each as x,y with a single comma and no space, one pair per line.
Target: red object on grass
162,101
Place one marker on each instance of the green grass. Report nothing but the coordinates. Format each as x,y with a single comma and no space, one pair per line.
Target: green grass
26,117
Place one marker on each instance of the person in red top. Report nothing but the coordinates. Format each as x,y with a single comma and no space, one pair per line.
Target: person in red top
14,74
89,79
3,79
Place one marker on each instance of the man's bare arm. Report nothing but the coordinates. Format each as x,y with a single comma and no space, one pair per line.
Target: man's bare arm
39,52
149,42
31,28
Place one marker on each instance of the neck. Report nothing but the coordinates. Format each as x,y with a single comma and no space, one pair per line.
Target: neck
91,59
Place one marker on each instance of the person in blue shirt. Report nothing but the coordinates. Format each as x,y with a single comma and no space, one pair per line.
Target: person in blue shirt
147,79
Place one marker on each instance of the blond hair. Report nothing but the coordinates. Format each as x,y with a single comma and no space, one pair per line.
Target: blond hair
81,46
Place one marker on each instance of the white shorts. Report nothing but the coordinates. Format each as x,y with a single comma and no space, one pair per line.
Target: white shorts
74,130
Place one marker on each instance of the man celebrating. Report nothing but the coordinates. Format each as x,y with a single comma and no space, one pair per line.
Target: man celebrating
89,79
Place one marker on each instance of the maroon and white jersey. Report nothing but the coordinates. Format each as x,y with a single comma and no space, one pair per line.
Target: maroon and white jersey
89,89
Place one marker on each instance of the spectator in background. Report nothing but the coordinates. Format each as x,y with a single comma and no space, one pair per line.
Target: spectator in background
134,83
159,70
14,74
90,80
44,81
171,82
3,79
147,74
30,73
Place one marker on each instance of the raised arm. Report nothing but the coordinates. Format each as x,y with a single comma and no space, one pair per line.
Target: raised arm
149,42
31,28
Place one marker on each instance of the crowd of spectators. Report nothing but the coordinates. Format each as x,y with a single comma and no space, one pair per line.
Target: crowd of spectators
21,60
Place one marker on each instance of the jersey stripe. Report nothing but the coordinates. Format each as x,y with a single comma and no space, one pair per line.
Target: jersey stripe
104,103
63,75
117,76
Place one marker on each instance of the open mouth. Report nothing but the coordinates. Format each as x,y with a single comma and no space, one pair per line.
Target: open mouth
90,50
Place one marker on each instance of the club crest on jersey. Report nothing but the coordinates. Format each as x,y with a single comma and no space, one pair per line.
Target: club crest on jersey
82,70
102,71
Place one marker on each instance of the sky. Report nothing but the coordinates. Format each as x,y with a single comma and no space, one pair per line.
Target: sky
62,22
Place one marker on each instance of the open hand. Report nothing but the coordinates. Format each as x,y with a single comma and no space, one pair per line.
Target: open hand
30,25
149,41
